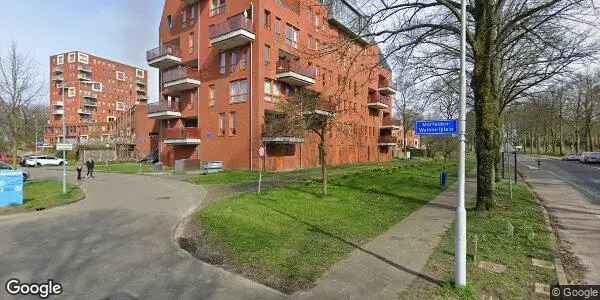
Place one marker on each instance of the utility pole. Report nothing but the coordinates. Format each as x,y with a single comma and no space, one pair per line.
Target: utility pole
460,260
64,125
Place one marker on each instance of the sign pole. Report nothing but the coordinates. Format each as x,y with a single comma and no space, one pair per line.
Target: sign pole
460,267
261,153
64,128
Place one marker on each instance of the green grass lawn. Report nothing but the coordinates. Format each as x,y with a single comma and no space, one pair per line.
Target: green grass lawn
245,176
496,244
44,194
288,236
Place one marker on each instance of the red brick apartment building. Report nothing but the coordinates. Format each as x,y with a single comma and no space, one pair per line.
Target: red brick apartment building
226,64
90,93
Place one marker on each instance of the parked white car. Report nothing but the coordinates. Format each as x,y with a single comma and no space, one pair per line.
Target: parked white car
584,156
571,157
593,157
38,161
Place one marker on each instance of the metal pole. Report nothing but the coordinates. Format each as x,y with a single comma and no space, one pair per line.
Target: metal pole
64,125
460,267
515,167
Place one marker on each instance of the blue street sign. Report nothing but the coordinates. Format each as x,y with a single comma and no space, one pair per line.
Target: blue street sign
11,188
437,127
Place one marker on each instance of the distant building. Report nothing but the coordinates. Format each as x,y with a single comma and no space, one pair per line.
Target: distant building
90,92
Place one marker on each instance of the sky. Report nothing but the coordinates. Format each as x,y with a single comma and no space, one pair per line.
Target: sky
121,30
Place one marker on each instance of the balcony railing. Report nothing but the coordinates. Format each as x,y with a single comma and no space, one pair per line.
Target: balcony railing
84,76
277,129
84,111
388,139
388,122
84,68
162,51
88,94
140,81
232,24
162,107
58,78
58,69
284,66
181,133
376,99
175,74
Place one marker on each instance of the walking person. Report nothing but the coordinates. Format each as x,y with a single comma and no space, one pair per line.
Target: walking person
92,164
88,167
79,170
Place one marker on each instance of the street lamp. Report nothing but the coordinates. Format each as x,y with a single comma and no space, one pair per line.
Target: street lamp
64,85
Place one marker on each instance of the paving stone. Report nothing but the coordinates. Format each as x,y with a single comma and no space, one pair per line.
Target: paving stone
541,288
492,267
542,263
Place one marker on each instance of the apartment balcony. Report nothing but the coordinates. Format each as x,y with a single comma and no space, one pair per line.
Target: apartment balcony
140,82
84,68
179,79
387,89
379,102
58,78
163,57
58,70
390,124
324,109
350,19
387,141
88,94
140,89
277,131
181,136
294,73
84,77
234,32
163,111
90,103
58,112
142,98
58,104
84,111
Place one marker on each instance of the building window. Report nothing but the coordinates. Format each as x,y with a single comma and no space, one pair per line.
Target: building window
71,92
267,55
232,123
222,124
217,7
83,58
193,9
60,59
72,57
120,106
291,36
139,73
238,91
191,42
272,90
120,75
234,60
267,20
97,86
110,119
222,62
212,95
311,42
170,22
277,26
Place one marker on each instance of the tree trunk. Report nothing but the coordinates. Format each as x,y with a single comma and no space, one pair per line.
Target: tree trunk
561,145
486,110
323,151
14,154
498,154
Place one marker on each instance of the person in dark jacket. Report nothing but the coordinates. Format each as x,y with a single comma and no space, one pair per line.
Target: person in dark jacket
92,164
88,167
79,169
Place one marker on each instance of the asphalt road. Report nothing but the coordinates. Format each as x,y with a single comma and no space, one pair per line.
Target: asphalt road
584,177
117,241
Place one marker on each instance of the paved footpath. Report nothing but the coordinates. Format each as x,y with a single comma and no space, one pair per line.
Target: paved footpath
575,217
117,241
385,267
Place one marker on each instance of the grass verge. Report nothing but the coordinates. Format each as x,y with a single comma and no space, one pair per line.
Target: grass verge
288,236
510,235
44,194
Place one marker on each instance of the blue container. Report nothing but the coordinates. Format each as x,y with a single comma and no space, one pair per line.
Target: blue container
444,180
11,188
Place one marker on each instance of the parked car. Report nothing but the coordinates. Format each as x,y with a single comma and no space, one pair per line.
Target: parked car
584,157
5,166
594,157
571,157
38,161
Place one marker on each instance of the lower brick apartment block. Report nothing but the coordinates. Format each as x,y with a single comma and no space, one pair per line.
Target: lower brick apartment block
226,66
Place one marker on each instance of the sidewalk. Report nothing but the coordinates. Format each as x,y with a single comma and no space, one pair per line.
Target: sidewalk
574,218
387,265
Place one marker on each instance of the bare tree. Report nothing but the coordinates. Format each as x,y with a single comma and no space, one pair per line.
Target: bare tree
20,87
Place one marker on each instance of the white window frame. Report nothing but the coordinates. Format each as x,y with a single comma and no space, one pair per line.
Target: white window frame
83,58
223,62
96,89
236,95
71,92
120,106
72,57
120,75
212,95
60,59
140,73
